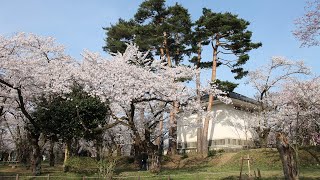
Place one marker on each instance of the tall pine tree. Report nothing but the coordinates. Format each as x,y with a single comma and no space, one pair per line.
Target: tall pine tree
164,31
228,35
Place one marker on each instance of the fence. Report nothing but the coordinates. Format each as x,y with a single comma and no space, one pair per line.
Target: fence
49,177
195,176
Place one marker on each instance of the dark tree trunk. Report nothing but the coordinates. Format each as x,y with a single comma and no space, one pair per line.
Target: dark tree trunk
198,86
155,165
118,150
36,155
66,156
288,158
138,150
141,154
154,153
98,145
173,129
23,149
59,155
205,130
143,147
263,137
51,153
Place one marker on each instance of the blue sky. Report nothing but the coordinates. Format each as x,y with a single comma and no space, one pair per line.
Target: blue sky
78,25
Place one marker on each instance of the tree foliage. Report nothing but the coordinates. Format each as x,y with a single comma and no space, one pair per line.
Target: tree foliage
74,115
227,34
31,65
118,35
154,27
308,26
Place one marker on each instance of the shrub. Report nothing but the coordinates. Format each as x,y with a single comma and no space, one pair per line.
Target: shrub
82,164
212,153
184,156
166,158
130,159
106,168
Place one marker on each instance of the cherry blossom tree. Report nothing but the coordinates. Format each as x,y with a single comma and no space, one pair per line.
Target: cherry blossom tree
30,66
308,26
294,113
129,88
268,79
33,67
289,108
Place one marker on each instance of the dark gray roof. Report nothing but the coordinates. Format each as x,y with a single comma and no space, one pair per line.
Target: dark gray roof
235,95
241,97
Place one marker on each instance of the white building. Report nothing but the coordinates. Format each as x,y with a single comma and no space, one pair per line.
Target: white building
229,127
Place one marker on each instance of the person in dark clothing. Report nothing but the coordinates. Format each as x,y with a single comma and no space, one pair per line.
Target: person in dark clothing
144,159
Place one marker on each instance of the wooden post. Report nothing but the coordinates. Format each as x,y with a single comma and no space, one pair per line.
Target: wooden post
17,177
48,177
84,177
259,173
139,177
169,177
240,177
248,159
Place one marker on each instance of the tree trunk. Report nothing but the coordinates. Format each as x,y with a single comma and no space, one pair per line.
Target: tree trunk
51,153
199,118
154,155
98,145
137,152
140,152
36,156
263,137
167,49
155,165
205,143
288,157
139,147
118,150
173,129
66,156
161,54
159,139
23,147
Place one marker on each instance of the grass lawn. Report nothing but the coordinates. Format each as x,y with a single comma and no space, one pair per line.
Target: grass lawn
221,166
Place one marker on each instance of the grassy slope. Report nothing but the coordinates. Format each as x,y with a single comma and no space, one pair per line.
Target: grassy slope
221,166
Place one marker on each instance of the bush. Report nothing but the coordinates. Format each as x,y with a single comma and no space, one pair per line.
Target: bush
184,156
212,153
106,168
130,159
166,158
82,164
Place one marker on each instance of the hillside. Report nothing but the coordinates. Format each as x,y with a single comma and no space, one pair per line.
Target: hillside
223,165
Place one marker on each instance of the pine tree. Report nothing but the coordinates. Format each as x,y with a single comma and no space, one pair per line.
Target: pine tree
164,31
118,35
228,35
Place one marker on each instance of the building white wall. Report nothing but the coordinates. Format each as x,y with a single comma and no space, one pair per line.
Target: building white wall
227,123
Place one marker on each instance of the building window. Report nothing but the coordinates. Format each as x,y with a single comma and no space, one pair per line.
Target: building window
234,142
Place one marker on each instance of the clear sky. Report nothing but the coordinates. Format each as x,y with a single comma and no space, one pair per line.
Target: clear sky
77,24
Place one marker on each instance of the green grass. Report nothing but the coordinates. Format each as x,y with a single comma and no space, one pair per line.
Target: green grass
221,166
